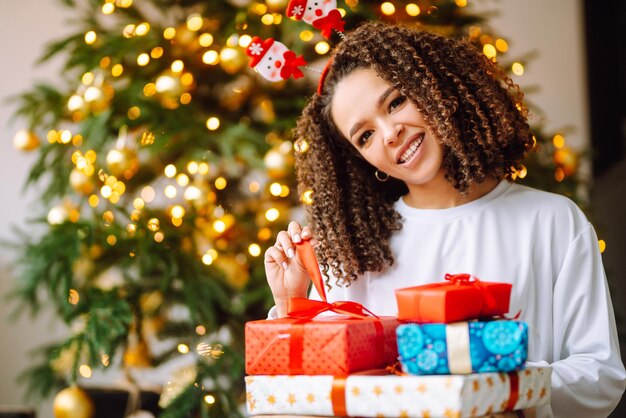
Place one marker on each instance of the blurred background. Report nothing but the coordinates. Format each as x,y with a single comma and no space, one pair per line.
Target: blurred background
574,76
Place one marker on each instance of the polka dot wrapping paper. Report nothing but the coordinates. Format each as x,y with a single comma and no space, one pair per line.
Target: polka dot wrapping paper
399,396
333,345
463,347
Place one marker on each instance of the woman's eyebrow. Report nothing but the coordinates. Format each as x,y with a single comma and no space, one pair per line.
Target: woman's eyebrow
379,103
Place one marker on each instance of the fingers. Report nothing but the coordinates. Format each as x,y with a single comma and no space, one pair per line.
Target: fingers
274,255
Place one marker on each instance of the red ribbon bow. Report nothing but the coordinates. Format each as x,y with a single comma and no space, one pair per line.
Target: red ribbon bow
465,279
329,22
290,68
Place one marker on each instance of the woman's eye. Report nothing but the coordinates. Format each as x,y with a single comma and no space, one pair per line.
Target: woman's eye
396,102
365,136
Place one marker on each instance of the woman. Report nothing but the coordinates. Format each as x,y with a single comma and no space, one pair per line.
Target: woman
412,142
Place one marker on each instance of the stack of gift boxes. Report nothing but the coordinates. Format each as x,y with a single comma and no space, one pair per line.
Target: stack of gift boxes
456,358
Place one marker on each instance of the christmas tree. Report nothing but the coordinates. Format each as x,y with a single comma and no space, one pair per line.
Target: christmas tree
167,169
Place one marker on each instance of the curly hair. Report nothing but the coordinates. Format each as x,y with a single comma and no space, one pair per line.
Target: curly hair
469,104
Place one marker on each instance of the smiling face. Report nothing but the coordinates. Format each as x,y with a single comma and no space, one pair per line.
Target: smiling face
387,129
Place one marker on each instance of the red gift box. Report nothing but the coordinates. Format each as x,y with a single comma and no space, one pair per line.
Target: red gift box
334,345
460,298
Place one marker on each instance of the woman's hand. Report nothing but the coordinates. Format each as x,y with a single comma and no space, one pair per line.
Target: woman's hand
284,269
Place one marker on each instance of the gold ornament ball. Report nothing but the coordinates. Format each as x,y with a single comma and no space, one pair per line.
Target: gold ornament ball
25,140
233,60
81,182
72,402
276,5
123,162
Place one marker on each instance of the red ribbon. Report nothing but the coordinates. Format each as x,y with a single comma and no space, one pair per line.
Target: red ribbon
303,310
465,279
514,383
329,22
290,68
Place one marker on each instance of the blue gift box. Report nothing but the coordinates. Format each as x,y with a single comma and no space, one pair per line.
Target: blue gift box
463,347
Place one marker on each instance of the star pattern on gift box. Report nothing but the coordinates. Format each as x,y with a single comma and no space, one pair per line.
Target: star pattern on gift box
474,412
503,405
398,389
426,413
404,414
489,410
422,388
449,413
271,399
310,398
529,394
377,390
476,385
291,399
489,381
356,391
380,415
251,402
542,394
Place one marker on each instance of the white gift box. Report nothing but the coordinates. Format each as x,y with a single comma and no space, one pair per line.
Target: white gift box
376,395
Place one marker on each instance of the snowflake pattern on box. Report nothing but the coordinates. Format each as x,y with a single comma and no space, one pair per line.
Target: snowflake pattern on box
493,346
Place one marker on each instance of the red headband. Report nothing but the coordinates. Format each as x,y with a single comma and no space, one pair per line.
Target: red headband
320,84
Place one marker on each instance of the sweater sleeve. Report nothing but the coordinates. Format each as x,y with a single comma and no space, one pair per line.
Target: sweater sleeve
588,378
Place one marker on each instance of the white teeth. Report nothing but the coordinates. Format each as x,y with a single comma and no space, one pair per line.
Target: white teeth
406,156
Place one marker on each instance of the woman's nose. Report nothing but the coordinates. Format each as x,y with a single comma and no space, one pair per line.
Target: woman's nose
392,133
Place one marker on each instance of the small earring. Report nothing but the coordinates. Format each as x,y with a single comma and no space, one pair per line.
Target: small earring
379,177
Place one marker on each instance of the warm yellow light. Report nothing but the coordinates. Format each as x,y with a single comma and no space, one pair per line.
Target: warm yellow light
117,70
307,197
210,399
194,22
254,250
66,136
106,191
148,194
203,168
267,19
206,39
105,360
260,8
517,68
210,57
170,170
143,59
192,193
142,29
207,259
134,113
284,192
108,8
183,348
501,45
177,66
154,224
182,179
220,183
87,78
200,330
177,211
412,9
306,35
186,79
170,191
129,31
156,52
559,174
139,203
169,33
489,51
602,245
73,297
94,200
322,47
111,240
192,167
149,89
105,62
558,140
85,371
275,189
387,8
131,228
460,3
219,226
159,236
212,123
244,41
90,37
185,98
254,187
272,214
177,221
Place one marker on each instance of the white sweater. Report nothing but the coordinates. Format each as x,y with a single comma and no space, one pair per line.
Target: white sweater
542,244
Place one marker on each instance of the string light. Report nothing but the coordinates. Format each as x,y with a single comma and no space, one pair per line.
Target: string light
254,250
169,33
213,123
74,297
412,9
170,170
90,37
517,68
387,8
200,330
206,39
209,399
322,47
142,29
183,348
85,371
558,141
194,22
